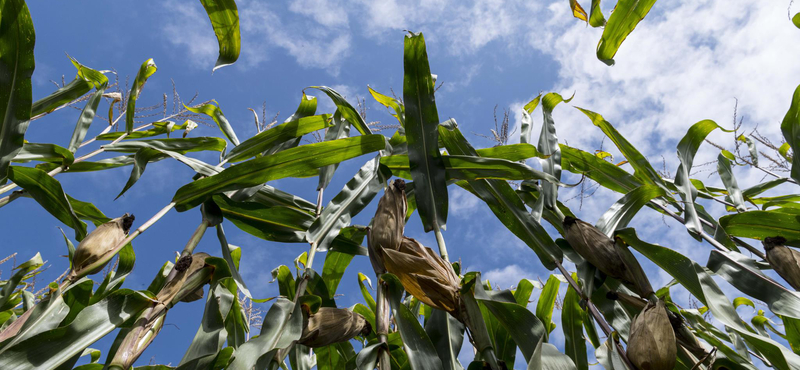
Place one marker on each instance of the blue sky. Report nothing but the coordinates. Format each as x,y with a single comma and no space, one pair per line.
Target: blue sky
686,61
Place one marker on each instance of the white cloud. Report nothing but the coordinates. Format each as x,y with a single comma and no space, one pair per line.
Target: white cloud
508,276
462,203
326,13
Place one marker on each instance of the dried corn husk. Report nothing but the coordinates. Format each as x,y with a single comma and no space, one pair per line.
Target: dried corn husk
388,224
425,275
185,267
602,252
651,344
332,325
785,260
98,245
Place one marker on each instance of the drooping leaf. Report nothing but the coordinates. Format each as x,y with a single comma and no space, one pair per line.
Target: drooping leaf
503,201
87,114
624,209
447,335
277,223
224,18
16,67
623,20
165,127
89,166
356,194
572,323
726,174
346,109
790,127
340,130
577,10
226,253
145,71
548,146
468,167
51,348
282,325
278,134
290,162
546,303
596,18
213,111
182,146
45,153
210,337
418,346
751,147
763,224
527,122
796,20
390,102
48,193
421,125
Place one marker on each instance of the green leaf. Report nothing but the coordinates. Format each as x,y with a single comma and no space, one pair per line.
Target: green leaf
340,130
345,109
87,166
368,357
751,147
349,241
86,118
45,153
16,67
762,224
447,335
365,293
622,212
62,96
796,20
182,146
726,174
624,18
390,102
687,148
211,334
356,194
572,322
596,18
278,134
145,71
790,127
51,348
276,223
604,173
282,325
224,18
700,284
418,346
783,150
165,127
215,113
140,160
503,201
762,187
546,303
526,122
468,167
548,146
422,121
333,270
48,193
87,211
226,253
114,279
643,170
520,323
290,162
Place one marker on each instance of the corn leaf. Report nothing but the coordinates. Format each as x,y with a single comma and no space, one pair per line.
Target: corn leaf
145,71
790,127
762,224
422,121
224,17
277,223
623,20
48,193
626,207
16,68
346,109
282,325
215,113
726,174
278,134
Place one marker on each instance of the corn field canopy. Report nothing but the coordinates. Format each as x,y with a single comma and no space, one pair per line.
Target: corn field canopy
166,232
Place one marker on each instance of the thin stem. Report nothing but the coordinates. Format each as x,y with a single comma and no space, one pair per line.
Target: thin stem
607,329
197,235
382,325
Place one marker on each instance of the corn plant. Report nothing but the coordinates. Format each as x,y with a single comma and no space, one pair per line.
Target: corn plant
425,307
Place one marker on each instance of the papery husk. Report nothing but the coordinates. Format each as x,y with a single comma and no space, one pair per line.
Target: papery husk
332,325
185,267
388,224
784,260
602,252
425,275
98,245
651,343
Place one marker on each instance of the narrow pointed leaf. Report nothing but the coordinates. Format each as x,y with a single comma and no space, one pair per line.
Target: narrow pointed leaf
45,153
624,209
145,71
726,174
282,325
346,109
277,223
763,224
16,68
340,130
48,193
596,18
623,20
527,122
790,127
548,146
572,323
215,113
224,18
182,146
546,303
390,102
422,121
278,134
290,162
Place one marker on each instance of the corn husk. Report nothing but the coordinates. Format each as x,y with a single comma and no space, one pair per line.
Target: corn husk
388,224
425,275
602,252
332,325
185,267
98,245
651,344
785,260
